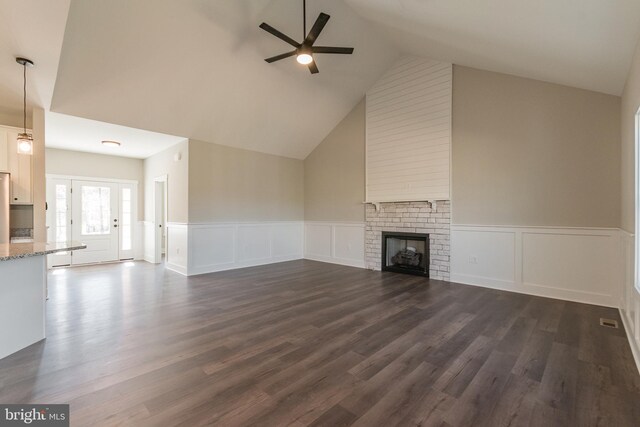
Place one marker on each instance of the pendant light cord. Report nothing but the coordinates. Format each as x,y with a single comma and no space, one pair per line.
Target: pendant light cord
304,19
24,98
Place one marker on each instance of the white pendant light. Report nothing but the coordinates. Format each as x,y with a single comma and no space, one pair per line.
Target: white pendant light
25,140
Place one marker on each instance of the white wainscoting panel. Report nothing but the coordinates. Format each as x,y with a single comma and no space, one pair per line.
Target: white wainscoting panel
178,247
254,244
630,298
287,241
336,243
212,247
575,264
473,261
317,240
225,246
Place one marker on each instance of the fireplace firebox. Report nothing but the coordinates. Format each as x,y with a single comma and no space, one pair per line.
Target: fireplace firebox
405,253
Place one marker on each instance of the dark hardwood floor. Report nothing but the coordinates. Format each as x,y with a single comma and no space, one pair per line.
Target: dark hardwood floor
305,343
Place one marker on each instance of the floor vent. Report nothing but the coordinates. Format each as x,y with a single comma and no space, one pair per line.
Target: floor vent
609,323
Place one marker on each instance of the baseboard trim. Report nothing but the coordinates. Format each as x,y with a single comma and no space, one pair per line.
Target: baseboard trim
536,290
632,342
180,269
339,261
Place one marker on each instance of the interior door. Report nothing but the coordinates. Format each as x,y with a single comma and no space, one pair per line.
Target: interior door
58,218
159,220
95,221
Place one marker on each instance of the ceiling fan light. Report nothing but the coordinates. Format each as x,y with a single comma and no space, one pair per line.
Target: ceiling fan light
304,59
25,143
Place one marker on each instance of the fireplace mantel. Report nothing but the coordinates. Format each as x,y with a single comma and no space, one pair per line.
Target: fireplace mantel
432,202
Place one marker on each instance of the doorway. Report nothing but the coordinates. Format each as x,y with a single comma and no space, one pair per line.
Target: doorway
98,213
160,217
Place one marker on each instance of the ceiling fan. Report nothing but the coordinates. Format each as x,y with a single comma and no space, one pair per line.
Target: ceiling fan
304,51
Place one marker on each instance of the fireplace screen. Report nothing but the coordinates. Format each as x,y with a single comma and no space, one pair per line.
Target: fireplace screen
405,253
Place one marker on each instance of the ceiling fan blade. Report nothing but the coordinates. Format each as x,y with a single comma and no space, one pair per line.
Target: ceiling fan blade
316,29
313,68
328,49
268,28
281,56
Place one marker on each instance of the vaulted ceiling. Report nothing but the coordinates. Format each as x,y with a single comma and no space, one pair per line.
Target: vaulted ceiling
32,29
195,68
582,43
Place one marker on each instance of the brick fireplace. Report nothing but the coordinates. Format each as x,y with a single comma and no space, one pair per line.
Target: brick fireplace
429,218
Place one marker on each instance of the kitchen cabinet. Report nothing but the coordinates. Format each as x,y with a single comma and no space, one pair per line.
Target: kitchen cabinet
4,153
18,165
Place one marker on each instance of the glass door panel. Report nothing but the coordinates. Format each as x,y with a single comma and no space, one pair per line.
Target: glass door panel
58,218
95,221
128,204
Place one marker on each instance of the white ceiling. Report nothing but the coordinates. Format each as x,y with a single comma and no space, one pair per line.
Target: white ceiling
582,43
32,29
196,68
77,134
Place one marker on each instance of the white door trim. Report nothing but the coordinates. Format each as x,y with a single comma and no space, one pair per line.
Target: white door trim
158,222
137,245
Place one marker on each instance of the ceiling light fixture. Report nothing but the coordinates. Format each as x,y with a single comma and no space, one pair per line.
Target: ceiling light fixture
303,53
304,58
25,140
111,143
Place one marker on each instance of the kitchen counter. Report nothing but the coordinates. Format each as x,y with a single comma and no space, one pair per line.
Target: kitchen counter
9,251
23,292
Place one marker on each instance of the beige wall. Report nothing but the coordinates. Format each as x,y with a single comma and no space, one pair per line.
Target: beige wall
531,153
230,184
630,105
76,163
177,173
334,178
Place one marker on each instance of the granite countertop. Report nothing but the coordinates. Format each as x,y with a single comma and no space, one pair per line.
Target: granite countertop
9,251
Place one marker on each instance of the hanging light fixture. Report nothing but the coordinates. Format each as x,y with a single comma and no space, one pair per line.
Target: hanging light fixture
25,140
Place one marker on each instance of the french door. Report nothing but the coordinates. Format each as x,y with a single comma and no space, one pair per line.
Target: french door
95,221
97,213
